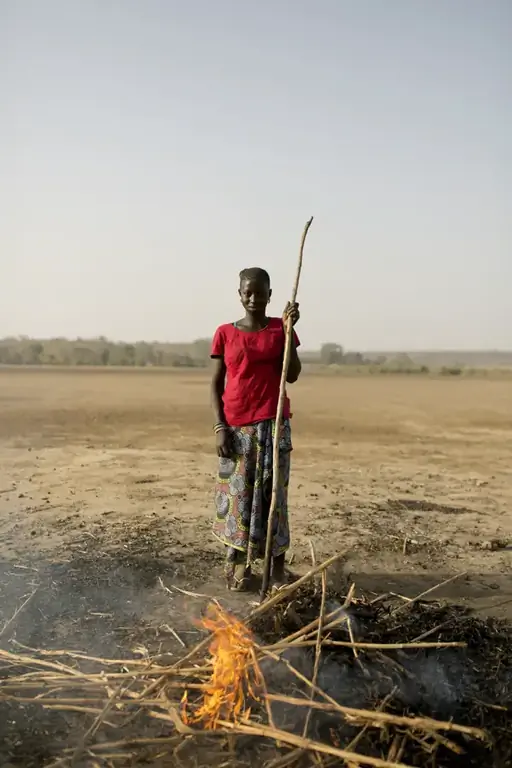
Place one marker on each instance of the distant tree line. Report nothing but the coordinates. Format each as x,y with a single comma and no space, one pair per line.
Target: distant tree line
334,355
22,350
103,352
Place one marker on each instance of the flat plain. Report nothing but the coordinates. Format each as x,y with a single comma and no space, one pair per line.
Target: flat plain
412,476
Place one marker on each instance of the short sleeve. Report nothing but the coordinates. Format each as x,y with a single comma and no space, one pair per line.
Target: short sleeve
218,344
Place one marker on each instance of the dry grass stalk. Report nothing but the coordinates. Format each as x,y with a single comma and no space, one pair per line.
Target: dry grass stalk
263,686
415,723
285,592
79,655
298,637
427,592
349,624
18,610
101,717
318,650
355,741
309,744
312,552
367,646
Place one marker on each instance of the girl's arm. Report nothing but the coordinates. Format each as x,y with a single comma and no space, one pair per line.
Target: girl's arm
217,390
222,434
295,366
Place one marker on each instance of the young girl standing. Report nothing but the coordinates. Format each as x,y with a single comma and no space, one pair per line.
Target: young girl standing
248,358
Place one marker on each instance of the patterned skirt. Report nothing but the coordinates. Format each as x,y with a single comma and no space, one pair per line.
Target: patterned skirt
243,493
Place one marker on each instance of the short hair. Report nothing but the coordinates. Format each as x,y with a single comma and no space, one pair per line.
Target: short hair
255,273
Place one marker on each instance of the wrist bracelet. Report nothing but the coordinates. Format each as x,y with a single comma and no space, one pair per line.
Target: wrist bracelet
219,427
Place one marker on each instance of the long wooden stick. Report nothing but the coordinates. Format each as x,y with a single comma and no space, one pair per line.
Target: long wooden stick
410,603
279,418
374,716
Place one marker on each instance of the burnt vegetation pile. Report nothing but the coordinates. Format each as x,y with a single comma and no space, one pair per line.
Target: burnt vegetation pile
390,681
469,685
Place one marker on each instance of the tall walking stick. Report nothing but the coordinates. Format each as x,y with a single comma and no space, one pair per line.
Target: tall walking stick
279,417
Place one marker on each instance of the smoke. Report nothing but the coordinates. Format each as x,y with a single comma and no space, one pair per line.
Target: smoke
436,685
103,607
345,618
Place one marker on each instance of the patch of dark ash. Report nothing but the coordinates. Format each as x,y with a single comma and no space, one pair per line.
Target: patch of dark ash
109,603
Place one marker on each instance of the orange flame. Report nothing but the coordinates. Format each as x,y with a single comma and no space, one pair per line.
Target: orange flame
236,673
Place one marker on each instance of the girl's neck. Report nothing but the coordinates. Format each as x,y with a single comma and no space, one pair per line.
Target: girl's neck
254,322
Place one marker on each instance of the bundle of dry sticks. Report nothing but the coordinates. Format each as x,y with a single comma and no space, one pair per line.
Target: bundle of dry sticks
222,693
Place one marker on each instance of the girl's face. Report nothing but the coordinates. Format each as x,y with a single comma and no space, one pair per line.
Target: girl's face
254,295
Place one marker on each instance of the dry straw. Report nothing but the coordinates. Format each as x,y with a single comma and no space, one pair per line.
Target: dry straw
203,697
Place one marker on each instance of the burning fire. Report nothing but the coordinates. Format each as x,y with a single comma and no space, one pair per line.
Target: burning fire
236,674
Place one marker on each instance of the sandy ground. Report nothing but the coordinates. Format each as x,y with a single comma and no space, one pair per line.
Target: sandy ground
411,476
106,482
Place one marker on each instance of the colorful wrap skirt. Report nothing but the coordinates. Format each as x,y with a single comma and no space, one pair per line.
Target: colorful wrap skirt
243,492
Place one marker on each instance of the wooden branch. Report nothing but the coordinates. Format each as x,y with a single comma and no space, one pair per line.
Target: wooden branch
279,418
427,592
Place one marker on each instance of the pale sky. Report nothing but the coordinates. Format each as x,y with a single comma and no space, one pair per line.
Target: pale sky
150,149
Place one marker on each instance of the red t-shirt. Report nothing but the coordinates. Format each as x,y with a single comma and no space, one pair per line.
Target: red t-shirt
254,362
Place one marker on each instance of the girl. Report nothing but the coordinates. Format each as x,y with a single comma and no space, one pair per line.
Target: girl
248,357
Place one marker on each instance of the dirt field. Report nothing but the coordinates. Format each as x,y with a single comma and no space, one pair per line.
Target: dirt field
106,498
106,459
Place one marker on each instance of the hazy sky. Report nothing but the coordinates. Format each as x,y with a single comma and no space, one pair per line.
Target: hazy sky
150,149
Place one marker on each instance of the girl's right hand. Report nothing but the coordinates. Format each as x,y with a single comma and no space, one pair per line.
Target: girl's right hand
224,444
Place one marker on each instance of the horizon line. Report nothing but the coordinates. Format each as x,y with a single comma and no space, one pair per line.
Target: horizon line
368,350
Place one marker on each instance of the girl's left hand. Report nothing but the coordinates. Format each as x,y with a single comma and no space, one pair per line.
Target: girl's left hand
291,311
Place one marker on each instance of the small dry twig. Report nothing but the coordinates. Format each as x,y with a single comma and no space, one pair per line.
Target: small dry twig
318,651
18,611
428,592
